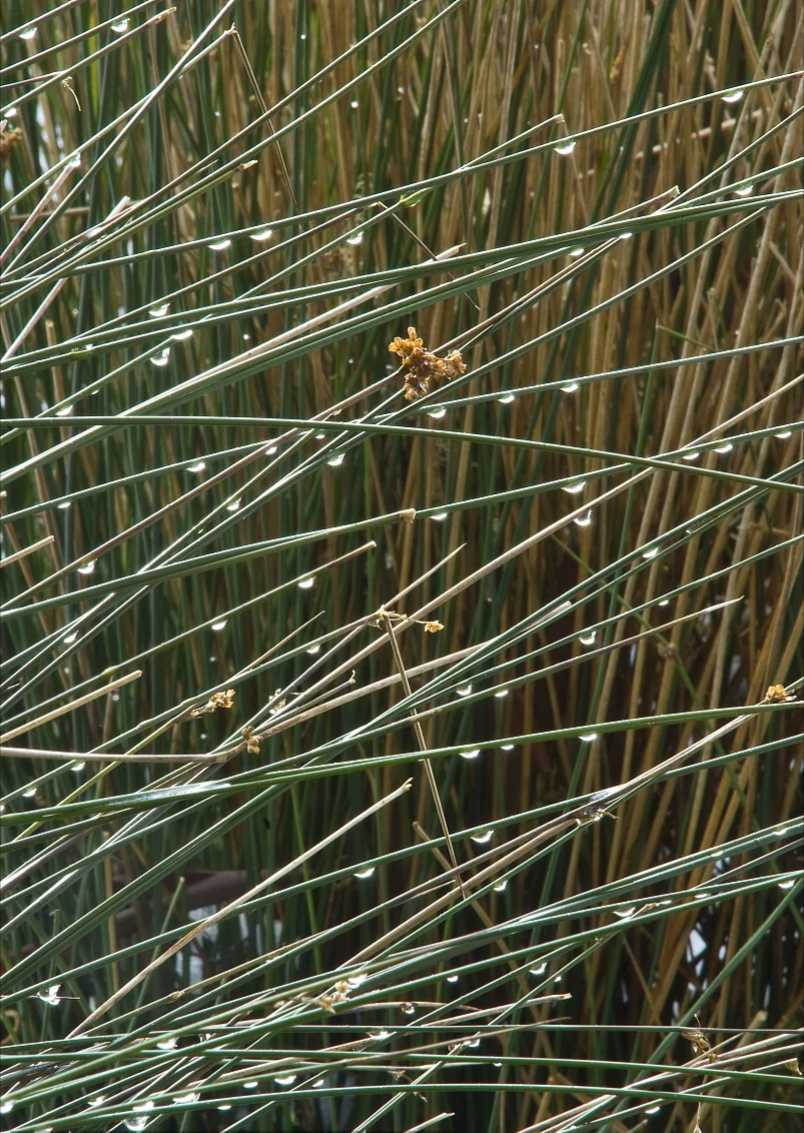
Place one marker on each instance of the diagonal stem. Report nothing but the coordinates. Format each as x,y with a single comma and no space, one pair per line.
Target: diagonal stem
385,620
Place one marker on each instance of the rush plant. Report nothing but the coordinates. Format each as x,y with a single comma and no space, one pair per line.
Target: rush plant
402,503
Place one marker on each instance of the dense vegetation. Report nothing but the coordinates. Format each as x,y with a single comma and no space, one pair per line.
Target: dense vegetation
402,739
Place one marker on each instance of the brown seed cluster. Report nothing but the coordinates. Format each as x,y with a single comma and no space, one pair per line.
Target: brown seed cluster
252,741
216,701
10,136
778,694
421,368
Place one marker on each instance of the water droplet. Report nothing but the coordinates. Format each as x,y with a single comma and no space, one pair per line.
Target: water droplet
408,1009
565,149
625,914
507,398
439,517
589,737
437,413
65,506
135,1124
356,239
788,884
665,602
653,1109
12,113
220,245
472,1043
93,1103
181,335
501,886
162,358
570,387
781,833
471,753
65,411
501,695
224,1108
452,979
365,874
285,1079
216,627
250,1085
650,553
745,191
168,1044
184,1099
379,1036
233,506
354,104
733,96
723,449
784,435
576,253
263,235
691,456
271,450
584,520
69,638
88,567
158,312
588,638
357,979
464,690
574,489
199,466
625,236
336,461
307,584
28,34
507,747
78,766
314,649
539,970
483,838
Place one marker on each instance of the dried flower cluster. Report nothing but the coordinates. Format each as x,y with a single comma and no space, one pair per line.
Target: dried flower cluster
216,701
10,136
252,740
433,627
421,368
778,694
